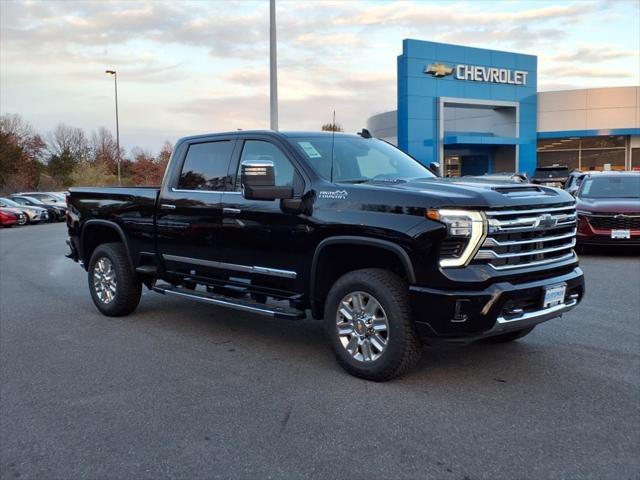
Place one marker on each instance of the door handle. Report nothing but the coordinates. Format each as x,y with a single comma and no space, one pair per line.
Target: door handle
168,205
231,211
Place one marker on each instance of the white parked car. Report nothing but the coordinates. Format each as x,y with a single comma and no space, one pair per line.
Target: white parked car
46,198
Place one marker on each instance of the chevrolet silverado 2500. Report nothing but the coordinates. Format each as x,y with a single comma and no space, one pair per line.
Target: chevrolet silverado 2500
341,227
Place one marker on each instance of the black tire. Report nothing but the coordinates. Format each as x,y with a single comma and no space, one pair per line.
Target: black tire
127,288
509,337
403,348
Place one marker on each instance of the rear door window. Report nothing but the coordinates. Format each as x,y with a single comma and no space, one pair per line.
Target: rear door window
205,166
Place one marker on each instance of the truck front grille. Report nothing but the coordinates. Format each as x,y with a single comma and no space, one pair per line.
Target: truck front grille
615,221
524,238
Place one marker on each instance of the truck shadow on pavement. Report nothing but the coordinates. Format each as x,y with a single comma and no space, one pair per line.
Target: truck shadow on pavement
303,344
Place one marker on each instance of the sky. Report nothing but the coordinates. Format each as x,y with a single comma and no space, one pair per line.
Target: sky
194,67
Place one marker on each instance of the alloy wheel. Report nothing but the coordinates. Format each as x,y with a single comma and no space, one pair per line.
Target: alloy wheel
362,326
104,280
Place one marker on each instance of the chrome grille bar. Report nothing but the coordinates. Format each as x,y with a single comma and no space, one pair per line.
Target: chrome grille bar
529,223
484,254
524,238
492,242
536,263
493,213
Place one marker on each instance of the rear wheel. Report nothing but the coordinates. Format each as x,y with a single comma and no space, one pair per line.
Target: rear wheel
114,288
369,324
509,337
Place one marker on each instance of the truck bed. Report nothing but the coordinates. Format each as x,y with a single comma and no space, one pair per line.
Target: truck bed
131,208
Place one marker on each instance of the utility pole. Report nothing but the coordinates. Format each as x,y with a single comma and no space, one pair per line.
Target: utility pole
273,63
115,81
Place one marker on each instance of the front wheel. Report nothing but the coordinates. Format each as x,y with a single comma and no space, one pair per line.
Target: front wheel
114,288
369,324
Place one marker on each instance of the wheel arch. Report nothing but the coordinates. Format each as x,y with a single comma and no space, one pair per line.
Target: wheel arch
388,251
104,231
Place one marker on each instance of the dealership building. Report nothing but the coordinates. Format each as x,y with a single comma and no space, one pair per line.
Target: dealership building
478,111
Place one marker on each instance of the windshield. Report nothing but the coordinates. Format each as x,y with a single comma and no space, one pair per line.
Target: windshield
552,172
29,200
611,187
5,202
358,159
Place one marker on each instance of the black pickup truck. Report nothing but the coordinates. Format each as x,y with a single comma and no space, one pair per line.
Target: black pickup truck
345,227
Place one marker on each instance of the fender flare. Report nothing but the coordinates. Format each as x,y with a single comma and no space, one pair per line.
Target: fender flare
401,253
109,224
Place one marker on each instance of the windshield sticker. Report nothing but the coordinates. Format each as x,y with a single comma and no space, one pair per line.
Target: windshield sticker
586,187
310,150
333,195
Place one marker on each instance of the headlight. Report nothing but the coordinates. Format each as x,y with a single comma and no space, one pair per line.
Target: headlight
467,227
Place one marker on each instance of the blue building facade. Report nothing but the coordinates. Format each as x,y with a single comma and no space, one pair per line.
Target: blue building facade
471,110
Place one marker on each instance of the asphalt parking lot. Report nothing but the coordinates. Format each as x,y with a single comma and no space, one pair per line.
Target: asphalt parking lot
184,390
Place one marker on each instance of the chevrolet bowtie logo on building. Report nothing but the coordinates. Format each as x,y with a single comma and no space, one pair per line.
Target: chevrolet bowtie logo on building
438,70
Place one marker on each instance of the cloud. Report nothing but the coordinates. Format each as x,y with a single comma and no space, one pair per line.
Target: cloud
574,71
409,13
221,32
520,37
251,77
251,112
587,54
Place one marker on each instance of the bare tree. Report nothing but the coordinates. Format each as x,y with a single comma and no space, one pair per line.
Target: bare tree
21,150
331,127
104,149
70,141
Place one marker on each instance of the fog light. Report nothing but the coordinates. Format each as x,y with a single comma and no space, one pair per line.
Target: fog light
458,316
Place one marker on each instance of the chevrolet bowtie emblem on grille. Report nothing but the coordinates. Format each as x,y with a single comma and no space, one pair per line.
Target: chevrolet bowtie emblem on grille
438,70
546,221
620,216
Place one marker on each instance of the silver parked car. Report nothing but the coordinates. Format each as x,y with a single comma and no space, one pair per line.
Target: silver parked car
34,214
47,198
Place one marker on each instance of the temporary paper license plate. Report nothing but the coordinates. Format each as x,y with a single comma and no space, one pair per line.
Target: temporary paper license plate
553,295
620,233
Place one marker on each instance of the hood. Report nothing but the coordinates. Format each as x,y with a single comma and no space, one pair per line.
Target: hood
13,210
32,208
476,192
609,205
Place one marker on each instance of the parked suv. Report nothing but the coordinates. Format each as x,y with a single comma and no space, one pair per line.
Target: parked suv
340,227
608,206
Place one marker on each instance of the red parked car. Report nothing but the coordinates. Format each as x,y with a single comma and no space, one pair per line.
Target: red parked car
7,218
608,207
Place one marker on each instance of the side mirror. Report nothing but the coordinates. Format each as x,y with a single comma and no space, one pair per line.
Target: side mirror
435,168
258,180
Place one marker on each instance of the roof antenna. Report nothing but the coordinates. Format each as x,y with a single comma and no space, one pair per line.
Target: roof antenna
333,138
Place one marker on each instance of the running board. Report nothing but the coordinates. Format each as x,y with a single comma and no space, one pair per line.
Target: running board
234,303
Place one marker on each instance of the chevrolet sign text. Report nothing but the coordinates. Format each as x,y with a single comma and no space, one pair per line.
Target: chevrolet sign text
491,74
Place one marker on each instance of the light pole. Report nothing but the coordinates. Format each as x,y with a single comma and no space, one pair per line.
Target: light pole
273,64
115,82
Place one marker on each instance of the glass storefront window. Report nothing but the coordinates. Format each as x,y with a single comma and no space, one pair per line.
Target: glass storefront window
602,142
597,159
588,153
571,143
635,158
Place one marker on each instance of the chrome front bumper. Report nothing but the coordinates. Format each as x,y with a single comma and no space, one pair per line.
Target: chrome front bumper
530,319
